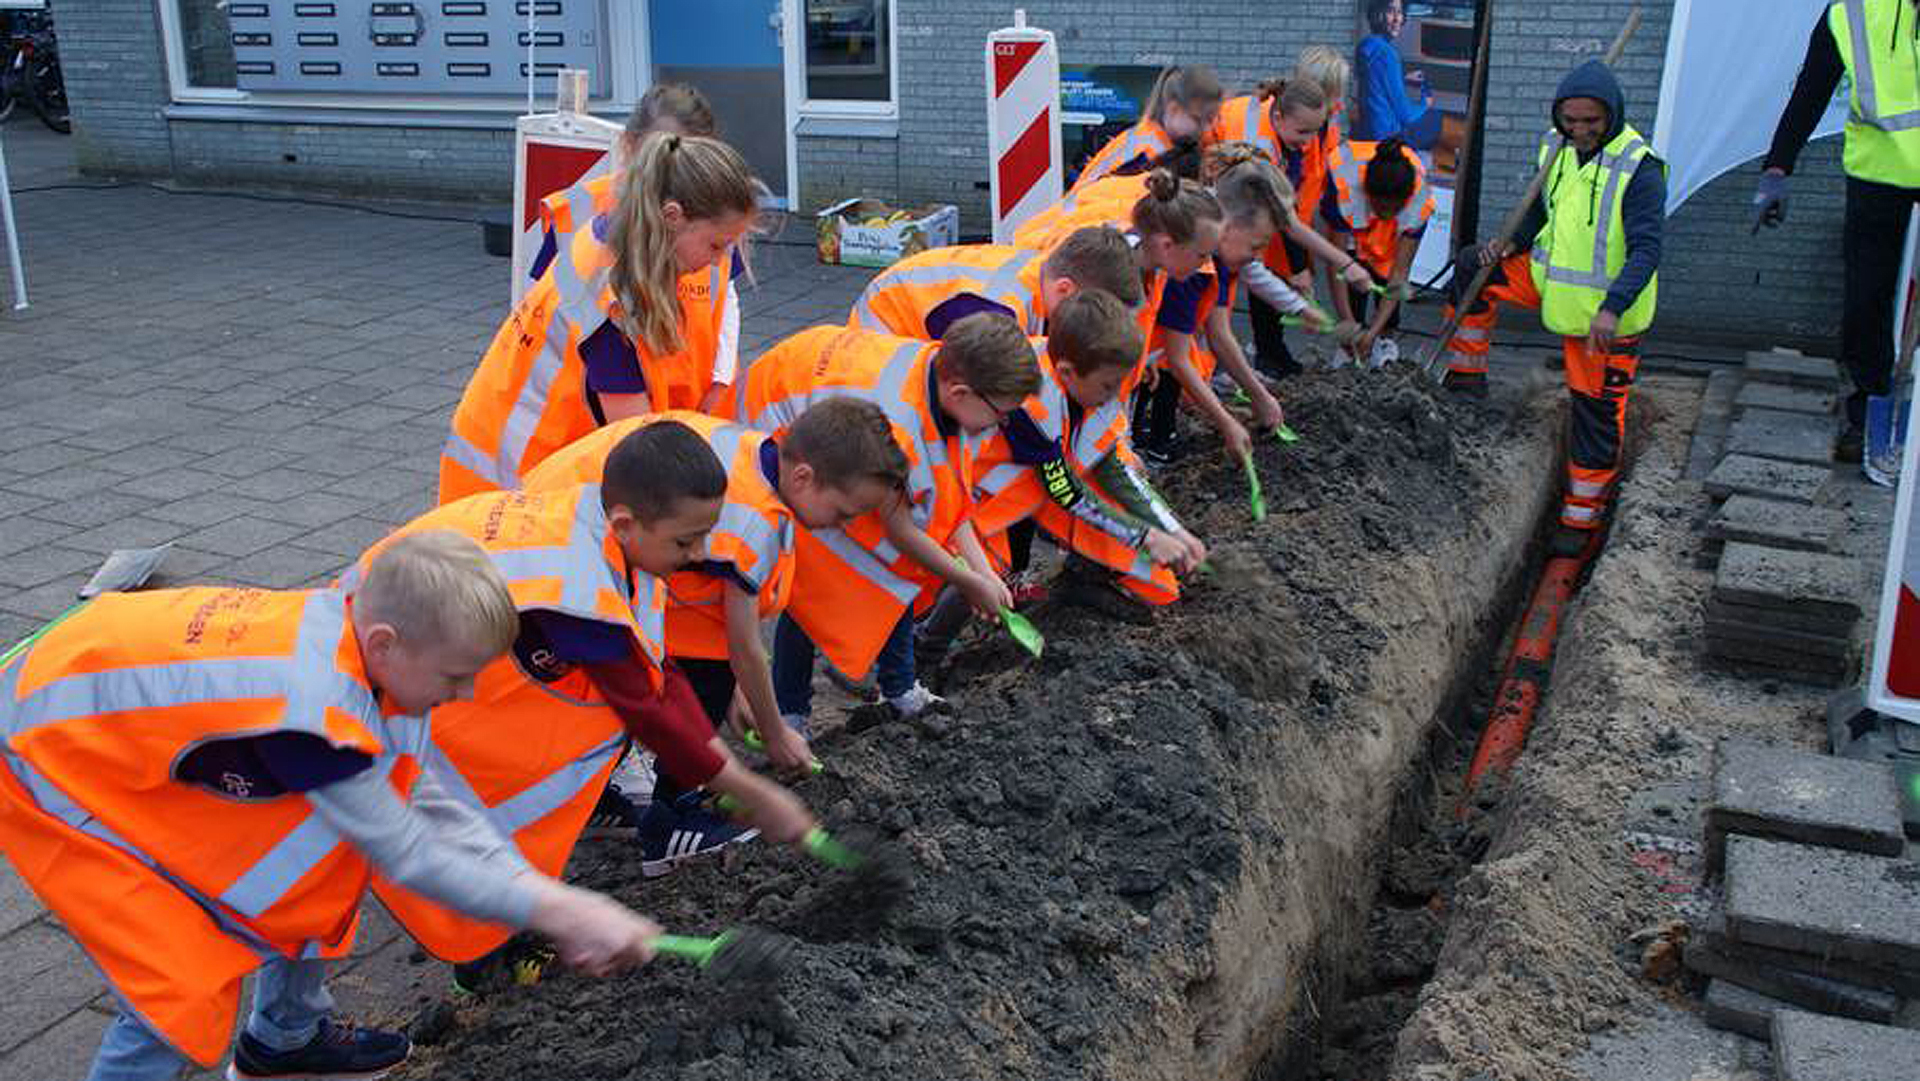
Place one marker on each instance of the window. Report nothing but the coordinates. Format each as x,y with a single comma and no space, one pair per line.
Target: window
849,53
405,54
206,42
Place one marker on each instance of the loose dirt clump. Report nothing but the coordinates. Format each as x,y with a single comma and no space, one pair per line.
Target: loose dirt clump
1132,857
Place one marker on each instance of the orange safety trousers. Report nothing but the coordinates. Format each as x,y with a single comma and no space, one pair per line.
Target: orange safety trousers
1598,384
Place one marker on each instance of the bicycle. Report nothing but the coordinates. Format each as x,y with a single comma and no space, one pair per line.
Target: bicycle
31,71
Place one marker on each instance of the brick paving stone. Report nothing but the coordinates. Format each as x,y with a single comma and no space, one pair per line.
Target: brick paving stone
38,566
170,485
1775,524
1745,474
45,456
283,566
208,508
24,533
1736,614
1794,370
20,436
94,508
61,1051
1807,581
1789,642
348,538
1733,1008
1823,900
1809,1047
278,485
1785,398
72,482
18,905
44,602
1787,987
48,979
312,510
348,461
244,461
1792,795
1791,437
145,460
1712,935
242,536
133,531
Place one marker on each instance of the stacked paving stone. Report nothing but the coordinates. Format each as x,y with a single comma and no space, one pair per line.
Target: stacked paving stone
1783,604
1820,914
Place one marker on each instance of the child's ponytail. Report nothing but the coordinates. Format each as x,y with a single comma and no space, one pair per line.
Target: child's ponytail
1391,175
1174,207
709,180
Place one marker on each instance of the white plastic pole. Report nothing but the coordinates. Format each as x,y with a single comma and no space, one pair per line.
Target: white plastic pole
13,234
1023,124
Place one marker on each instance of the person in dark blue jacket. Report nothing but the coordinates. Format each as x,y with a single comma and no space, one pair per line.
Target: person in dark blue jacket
1384,107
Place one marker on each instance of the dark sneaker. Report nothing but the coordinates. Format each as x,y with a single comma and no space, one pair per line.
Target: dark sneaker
614,816
338,1052
519,963
1851,445
1469,384
681,830
1160,455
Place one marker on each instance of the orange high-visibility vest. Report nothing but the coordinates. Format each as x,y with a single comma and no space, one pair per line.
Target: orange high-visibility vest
531,752
755,532
528,398
1146,137
1104,202
1376,240
851,585
1007,492
899,300
178,888
1249,119
1199,355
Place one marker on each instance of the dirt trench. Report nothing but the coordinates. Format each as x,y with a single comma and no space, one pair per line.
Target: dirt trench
1149,854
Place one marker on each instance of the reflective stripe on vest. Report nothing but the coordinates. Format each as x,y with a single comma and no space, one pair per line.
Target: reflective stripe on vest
1583,244
1882,60
993,282
307,680
1143,138
1617,169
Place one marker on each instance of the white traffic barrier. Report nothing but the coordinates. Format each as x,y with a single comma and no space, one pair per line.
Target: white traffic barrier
551,153
13,235
1023,124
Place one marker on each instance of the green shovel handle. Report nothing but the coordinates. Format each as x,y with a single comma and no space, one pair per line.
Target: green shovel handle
755,742
698,950
820,844
1256,502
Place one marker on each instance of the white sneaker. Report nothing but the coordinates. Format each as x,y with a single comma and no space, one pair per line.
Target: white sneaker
916,700
634,778
1385,352
1884,468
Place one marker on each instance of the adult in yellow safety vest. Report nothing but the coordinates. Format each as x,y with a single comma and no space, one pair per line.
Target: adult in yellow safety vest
1595,235
1876,45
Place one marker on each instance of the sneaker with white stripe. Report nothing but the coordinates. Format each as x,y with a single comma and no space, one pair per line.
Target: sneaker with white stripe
670,833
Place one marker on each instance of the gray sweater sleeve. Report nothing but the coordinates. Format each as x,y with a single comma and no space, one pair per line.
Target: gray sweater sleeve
435,846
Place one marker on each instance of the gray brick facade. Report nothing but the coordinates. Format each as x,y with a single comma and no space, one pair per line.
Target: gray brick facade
1716,283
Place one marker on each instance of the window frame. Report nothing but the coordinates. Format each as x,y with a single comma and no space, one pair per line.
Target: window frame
630,74
803,107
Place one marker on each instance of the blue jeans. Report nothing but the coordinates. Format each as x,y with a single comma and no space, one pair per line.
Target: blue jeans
289,999
793,665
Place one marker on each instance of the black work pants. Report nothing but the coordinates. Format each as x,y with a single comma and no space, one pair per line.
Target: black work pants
1872,245
1270,350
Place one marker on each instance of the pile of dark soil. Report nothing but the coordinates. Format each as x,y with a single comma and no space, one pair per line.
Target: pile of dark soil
1127,853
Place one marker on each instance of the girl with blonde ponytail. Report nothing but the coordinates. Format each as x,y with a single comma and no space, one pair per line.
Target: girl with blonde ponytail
1181,109
632,317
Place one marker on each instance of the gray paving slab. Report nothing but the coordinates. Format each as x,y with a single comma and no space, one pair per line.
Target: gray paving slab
1798,989
1825,585
60,1053
1823,900
48,979
1776,524
1767,652
1733,614
1810,1047
1733,1008
1790,399
1746,659
1793,370
1712,935
1669,1044
1790,437
1792,795
1828,647
1745,474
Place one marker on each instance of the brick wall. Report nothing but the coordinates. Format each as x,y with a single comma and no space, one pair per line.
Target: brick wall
1717,282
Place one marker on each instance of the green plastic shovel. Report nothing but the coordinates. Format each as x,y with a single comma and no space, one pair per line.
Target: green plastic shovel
1255,500
1286,435
732,955
1023,631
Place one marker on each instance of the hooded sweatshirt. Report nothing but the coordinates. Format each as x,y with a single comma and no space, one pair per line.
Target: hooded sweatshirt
1643,210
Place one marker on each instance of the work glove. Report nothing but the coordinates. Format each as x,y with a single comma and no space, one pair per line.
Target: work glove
1770,201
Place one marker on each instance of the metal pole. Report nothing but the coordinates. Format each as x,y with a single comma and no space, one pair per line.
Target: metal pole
13,234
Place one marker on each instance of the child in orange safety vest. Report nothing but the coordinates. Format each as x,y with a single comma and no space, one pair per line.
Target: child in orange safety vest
857,587
838,461
922,295
1378,201
1063,461
609,332
587,563
1184,102
200,782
